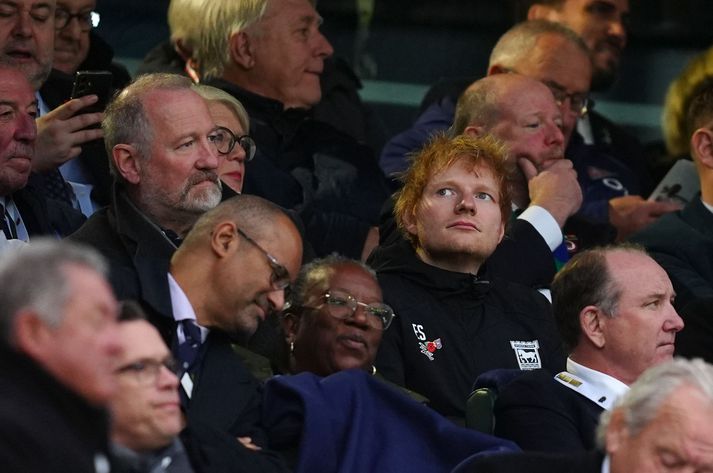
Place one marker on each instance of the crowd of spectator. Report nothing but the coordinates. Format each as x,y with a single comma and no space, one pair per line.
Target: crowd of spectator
224,276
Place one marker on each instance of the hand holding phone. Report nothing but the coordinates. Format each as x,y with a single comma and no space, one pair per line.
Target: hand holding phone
97,83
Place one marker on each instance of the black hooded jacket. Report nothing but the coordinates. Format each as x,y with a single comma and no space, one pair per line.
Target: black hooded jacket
451,327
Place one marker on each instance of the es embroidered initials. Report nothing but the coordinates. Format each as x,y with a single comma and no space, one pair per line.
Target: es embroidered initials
427,348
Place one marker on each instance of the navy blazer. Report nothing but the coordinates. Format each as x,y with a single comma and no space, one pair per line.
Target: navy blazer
682,243
538,413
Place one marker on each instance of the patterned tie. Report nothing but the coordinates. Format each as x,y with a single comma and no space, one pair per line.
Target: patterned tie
188,349
8,225
57,188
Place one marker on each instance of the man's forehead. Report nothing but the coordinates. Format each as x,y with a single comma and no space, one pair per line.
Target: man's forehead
77,5
140,340
13,81
30,4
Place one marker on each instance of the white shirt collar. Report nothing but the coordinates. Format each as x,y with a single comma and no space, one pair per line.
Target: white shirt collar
182,308
605,464
707,205
600,388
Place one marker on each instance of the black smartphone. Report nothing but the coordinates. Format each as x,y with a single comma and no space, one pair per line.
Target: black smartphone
97,83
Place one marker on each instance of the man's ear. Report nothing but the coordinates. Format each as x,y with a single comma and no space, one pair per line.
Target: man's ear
242,49
617,432
474,130
224,239
496,69
702,147
410,225
127,162
31,334
542,12
592,321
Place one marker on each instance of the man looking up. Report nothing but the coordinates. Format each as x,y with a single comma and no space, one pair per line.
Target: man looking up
454,321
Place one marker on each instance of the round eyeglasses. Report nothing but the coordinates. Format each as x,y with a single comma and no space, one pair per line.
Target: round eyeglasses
225,141
343,306
578,101
147,371
87,20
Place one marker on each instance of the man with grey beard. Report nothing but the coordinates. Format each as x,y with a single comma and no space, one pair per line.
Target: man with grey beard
163,151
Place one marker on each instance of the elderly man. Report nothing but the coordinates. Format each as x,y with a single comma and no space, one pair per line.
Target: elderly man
270,54
664,423
614,310
455,320
24,214
228,275
163,150
59,345
146,414
682,242
26,44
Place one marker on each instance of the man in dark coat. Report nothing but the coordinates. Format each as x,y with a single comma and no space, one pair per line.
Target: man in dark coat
253,53
682,242
613,310
454,319
664,423
59,345
25,213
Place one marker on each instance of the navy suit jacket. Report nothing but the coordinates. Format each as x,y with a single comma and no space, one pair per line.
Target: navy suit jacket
538,413
682,243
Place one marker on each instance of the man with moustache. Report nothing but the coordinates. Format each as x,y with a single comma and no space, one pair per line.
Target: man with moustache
23,213
163,151
27,33
614,310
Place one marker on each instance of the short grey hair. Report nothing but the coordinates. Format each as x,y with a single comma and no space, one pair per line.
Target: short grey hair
205,27
125,119
320,271
213,94
519,41
642,403
34,277
478,105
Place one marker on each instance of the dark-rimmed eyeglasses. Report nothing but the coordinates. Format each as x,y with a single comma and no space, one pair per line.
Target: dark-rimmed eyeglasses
578,101
226,140
343,306
280,277
87,20
147,371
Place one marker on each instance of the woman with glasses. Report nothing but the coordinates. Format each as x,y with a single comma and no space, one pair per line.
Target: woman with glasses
232,120
335,318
